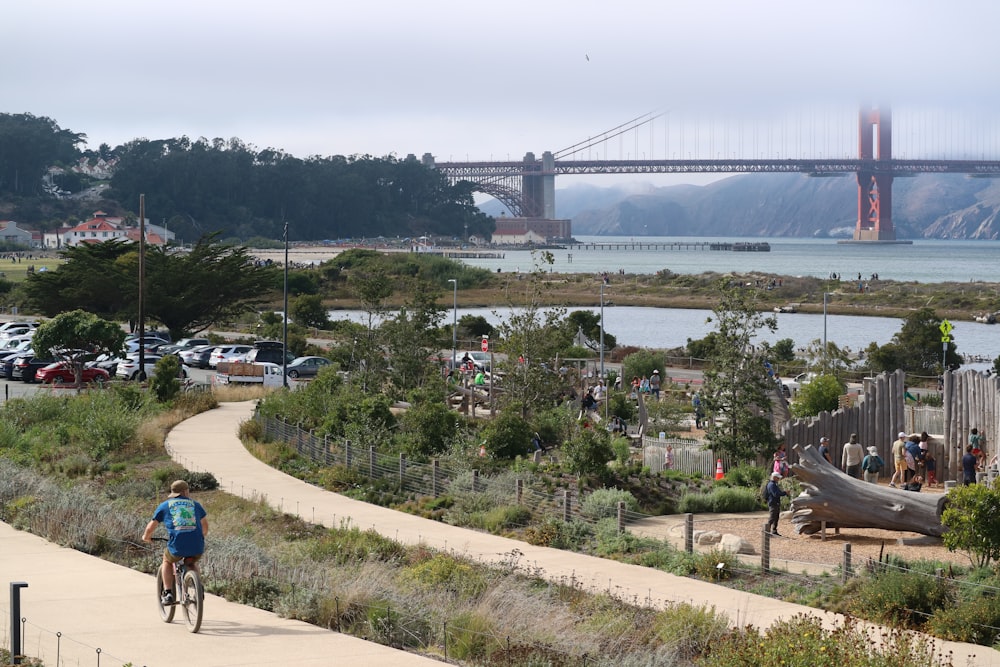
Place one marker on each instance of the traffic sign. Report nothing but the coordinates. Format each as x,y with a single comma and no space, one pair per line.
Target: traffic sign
945,328
486,345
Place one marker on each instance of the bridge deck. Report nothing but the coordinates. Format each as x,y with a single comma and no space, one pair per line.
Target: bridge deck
672,245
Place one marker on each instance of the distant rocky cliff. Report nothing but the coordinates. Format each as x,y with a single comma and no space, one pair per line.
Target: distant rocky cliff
927,206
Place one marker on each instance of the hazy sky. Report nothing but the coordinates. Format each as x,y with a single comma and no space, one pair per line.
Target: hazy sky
481,80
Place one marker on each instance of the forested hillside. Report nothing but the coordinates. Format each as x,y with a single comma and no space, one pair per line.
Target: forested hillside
202,186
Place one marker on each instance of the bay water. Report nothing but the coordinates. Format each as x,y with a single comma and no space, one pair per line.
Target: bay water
921,261
662,328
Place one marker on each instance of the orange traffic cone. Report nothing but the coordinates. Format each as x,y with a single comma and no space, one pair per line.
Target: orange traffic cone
718,470
482,451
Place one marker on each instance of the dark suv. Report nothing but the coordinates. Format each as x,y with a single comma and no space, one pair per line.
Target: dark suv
268,351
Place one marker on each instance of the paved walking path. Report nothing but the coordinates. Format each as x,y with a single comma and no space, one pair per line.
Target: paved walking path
98,604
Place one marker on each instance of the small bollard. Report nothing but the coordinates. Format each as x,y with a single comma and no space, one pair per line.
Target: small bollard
689,533
765,548
846,571
15,617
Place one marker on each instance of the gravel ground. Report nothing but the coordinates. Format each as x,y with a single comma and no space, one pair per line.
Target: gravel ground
799,550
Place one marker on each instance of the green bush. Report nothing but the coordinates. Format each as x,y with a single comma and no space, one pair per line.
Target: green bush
603,503
690,630
976,622
444,572
507,436
589,452
165,383
745,475
803,641
506,517
470,636
719,500
706,565
972,518
901,598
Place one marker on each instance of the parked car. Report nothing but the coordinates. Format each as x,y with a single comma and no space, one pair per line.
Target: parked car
197,357
6,327
304,367
148,342
20,330
26,367
481,360
180,346
61,372
227,353
7,362
268,351
128,368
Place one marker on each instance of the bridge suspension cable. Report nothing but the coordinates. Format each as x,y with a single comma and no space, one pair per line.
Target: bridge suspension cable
627,126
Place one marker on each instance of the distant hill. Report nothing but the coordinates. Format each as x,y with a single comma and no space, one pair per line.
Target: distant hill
947,206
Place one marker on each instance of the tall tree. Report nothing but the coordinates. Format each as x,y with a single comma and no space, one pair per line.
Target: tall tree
77,336
737,389
916,347
29,145
98,278
186,292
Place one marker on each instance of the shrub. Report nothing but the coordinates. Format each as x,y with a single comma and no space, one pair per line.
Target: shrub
690,630
745,475
470,636
558,534
803,641
707,565
901,598
972,518
507,436
721,499
444,572
975,622
165,383
508,516
589,452
603,503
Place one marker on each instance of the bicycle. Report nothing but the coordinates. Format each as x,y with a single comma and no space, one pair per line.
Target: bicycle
188,593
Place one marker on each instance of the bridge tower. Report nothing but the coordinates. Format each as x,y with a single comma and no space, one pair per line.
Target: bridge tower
875,186
538,187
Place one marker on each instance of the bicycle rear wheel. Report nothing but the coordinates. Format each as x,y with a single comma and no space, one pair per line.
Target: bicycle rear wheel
166,610
194,597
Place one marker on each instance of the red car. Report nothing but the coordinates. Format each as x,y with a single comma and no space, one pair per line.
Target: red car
61,373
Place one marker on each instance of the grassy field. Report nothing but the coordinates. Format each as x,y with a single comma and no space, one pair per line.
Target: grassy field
17,271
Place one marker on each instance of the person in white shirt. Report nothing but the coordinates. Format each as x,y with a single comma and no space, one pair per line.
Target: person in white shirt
852,456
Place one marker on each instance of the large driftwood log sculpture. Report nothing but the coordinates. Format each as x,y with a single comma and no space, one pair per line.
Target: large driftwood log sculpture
844,502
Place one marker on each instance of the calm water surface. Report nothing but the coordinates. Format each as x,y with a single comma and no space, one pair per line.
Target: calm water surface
672,327
923,261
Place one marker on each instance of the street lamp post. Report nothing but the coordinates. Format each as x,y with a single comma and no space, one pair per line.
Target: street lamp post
607,396
454,323
825,295
284,318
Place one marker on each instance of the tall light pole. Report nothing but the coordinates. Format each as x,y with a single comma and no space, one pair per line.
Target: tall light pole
454,323
607,396
602,331
284,318
825,295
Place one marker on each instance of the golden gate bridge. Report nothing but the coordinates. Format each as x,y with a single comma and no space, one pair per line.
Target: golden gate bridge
527,187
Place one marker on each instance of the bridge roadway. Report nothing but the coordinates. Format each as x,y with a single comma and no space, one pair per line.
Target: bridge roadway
109,606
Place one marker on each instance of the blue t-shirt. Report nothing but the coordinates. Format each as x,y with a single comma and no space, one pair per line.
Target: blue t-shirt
969,466
182,519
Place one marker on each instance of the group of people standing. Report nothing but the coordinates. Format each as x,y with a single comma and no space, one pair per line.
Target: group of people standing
646,385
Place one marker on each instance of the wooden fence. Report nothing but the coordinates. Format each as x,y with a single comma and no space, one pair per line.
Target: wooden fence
971,400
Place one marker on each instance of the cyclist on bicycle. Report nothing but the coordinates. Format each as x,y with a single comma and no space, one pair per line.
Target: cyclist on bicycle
187,526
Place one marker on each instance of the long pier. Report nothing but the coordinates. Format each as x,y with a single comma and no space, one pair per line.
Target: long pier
740,246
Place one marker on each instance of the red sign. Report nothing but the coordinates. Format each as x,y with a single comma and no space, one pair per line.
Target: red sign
486,345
